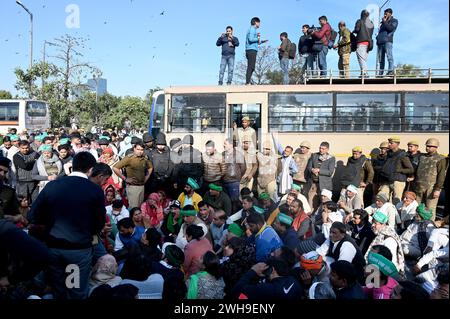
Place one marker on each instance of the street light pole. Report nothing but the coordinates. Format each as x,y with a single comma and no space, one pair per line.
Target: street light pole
44,57
377,65
31,37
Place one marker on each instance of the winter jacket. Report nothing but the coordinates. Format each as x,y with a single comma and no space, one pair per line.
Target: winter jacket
363,34
353,292
305,44
387,30
397,167
24,165
323,34
162,165
252,41
234,165
325,177
227,50
280,288
190,165
357,171
223,202
214,167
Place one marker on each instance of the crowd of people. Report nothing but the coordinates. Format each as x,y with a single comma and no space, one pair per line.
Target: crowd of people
111,216
313,47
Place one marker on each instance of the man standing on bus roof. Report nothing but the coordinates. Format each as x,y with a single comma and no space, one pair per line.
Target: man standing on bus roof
283,55
228,42
253,40
395,171
320,172
430,176
344,49
246,130
385,40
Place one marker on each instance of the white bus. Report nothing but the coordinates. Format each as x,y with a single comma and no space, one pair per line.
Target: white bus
23,114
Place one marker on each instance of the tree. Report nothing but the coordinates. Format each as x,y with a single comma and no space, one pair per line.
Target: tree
5,95
130,107
408,70
62,79
266,62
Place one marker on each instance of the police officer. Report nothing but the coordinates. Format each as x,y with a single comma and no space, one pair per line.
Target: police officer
430,176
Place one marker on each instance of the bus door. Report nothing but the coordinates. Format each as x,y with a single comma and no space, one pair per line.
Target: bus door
251,105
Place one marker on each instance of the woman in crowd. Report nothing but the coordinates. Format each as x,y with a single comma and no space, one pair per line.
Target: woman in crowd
208,283
153,209
195,249
361,229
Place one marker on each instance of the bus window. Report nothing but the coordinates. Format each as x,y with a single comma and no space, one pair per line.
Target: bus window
368,112
253,111
290,112
9,112
426,111
198,113
36,109
158,115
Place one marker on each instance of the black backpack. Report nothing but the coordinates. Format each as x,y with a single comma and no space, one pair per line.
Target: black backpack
292,51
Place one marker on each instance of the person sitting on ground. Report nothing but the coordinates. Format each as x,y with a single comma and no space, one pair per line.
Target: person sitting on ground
208,283
189,216
171,261
136,258
116,211
279,285
349,201
172,222
380,260
205,213
386,236
415,238
361,229
283,226
302,224
409,290
153,210
330,214
241,216
265,202
136,216
344,281
128,233
239,257
266,238
312,269
383,205
104,273
197,246
217,198
321,290
406,210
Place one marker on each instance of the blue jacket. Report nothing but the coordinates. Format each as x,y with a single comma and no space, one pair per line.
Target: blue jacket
266,242
386,32
281,288
252,42
226,49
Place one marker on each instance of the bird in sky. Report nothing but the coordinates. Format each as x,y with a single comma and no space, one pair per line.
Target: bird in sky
162,13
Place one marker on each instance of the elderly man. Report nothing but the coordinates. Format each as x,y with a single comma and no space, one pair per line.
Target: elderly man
189,196
349,201
387,208
416,236
387,236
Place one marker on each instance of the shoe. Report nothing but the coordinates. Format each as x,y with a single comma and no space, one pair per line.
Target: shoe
228,83
220,83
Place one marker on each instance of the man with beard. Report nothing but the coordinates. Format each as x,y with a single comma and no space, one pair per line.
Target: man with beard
217,198
358,172
189,196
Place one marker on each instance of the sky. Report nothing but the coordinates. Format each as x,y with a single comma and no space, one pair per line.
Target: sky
143,44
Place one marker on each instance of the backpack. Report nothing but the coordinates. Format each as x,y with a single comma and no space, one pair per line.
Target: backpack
292,51
332,38
353,42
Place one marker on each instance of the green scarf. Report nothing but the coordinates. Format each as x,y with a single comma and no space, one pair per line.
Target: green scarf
170,223
193,284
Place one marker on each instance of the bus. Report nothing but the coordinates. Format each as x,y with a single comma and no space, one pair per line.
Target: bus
345,114
23,114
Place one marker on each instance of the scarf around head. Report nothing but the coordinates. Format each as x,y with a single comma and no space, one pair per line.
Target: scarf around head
156,214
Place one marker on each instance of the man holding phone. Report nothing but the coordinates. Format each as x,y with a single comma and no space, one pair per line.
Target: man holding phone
228,42
252,42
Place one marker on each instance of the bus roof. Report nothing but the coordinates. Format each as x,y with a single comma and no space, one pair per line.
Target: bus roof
316,88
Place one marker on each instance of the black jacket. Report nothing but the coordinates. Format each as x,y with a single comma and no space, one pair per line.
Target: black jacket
162,166
305,44
190,165
353,292
72,209
363,34
362,237
281,288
